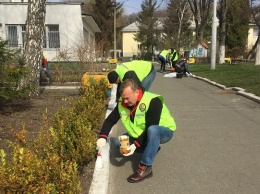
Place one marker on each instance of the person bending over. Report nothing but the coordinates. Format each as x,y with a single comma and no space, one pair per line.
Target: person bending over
147,121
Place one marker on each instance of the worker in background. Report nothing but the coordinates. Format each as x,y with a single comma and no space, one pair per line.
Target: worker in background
45,67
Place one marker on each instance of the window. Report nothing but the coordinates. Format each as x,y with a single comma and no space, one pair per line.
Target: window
16,36
86,36
12,35
255,31
23,34
52,37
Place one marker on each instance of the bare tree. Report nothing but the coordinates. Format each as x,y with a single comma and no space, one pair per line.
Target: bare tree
222,15
34,42
177,22
202,13
255,11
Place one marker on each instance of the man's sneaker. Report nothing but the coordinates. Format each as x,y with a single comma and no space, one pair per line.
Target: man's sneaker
140,174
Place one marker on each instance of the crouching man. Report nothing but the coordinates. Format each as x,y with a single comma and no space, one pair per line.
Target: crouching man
148,124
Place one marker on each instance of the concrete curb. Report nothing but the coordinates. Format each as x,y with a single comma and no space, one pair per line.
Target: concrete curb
59,87
239,90
99,182
100,179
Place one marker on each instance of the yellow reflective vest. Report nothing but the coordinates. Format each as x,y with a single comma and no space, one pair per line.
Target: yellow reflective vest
141,68
136,128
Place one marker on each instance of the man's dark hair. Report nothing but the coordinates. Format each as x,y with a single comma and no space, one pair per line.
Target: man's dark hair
112,77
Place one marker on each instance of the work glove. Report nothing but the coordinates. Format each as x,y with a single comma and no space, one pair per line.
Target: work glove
101,142
44,69
131,150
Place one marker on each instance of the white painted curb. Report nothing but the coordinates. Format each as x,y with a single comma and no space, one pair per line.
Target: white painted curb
239,90
100,179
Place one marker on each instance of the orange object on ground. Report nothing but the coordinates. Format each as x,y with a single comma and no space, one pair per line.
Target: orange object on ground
172,69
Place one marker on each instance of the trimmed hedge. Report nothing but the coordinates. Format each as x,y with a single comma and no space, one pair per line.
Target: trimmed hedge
51,163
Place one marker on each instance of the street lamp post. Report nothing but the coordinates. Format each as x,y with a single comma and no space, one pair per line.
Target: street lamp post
114,4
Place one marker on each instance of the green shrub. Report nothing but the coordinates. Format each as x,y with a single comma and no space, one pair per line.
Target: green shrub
12,70
30,171
51,162
75,129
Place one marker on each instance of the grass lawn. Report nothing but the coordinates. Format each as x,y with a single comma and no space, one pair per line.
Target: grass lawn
244,75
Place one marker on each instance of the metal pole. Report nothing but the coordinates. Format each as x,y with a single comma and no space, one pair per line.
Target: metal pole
214,36
115,29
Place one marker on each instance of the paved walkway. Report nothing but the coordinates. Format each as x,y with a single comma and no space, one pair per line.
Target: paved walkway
215,149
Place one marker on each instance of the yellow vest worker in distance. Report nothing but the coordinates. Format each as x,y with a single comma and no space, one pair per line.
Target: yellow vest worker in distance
173,57
148,124
143,72
162,56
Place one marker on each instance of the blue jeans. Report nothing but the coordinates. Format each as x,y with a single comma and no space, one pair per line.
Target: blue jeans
163,62
148,80
47,72
156,135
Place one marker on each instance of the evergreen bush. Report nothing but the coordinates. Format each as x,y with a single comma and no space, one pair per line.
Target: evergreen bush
51,163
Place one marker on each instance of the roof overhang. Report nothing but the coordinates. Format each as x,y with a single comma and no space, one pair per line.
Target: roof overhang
91,22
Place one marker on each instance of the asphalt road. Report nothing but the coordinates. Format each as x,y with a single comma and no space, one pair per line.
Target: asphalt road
215,149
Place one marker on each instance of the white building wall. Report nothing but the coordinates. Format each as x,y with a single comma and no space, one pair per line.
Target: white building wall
130,46
70,26
11,14
67,16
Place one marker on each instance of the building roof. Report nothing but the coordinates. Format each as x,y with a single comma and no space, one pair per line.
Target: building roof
204,44
134,27
90,20
131,28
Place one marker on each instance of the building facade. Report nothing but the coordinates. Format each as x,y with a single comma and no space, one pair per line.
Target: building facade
66,29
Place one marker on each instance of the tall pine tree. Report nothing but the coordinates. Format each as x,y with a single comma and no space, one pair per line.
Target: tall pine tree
238,17
103,12
148,28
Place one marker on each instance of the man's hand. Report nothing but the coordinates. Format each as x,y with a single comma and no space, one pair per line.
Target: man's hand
101,142
131,148
44,69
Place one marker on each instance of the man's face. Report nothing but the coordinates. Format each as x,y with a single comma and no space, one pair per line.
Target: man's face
129,96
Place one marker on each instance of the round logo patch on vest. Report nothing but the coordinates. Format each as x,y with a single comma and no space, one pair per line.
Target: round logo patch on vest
142,107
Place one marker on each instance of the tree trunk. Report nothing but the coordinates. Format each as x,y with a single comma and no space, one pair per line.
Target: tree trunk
253,50
222,30
181,17
222,54
34,43
257,57
201,11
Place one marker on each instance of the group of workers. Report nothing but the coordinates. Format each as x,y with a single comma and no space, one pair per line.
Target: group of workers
171,57
144,115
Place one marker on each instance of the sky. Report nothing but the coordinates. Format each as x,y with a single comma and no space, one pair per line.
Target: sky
130,6
134,6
